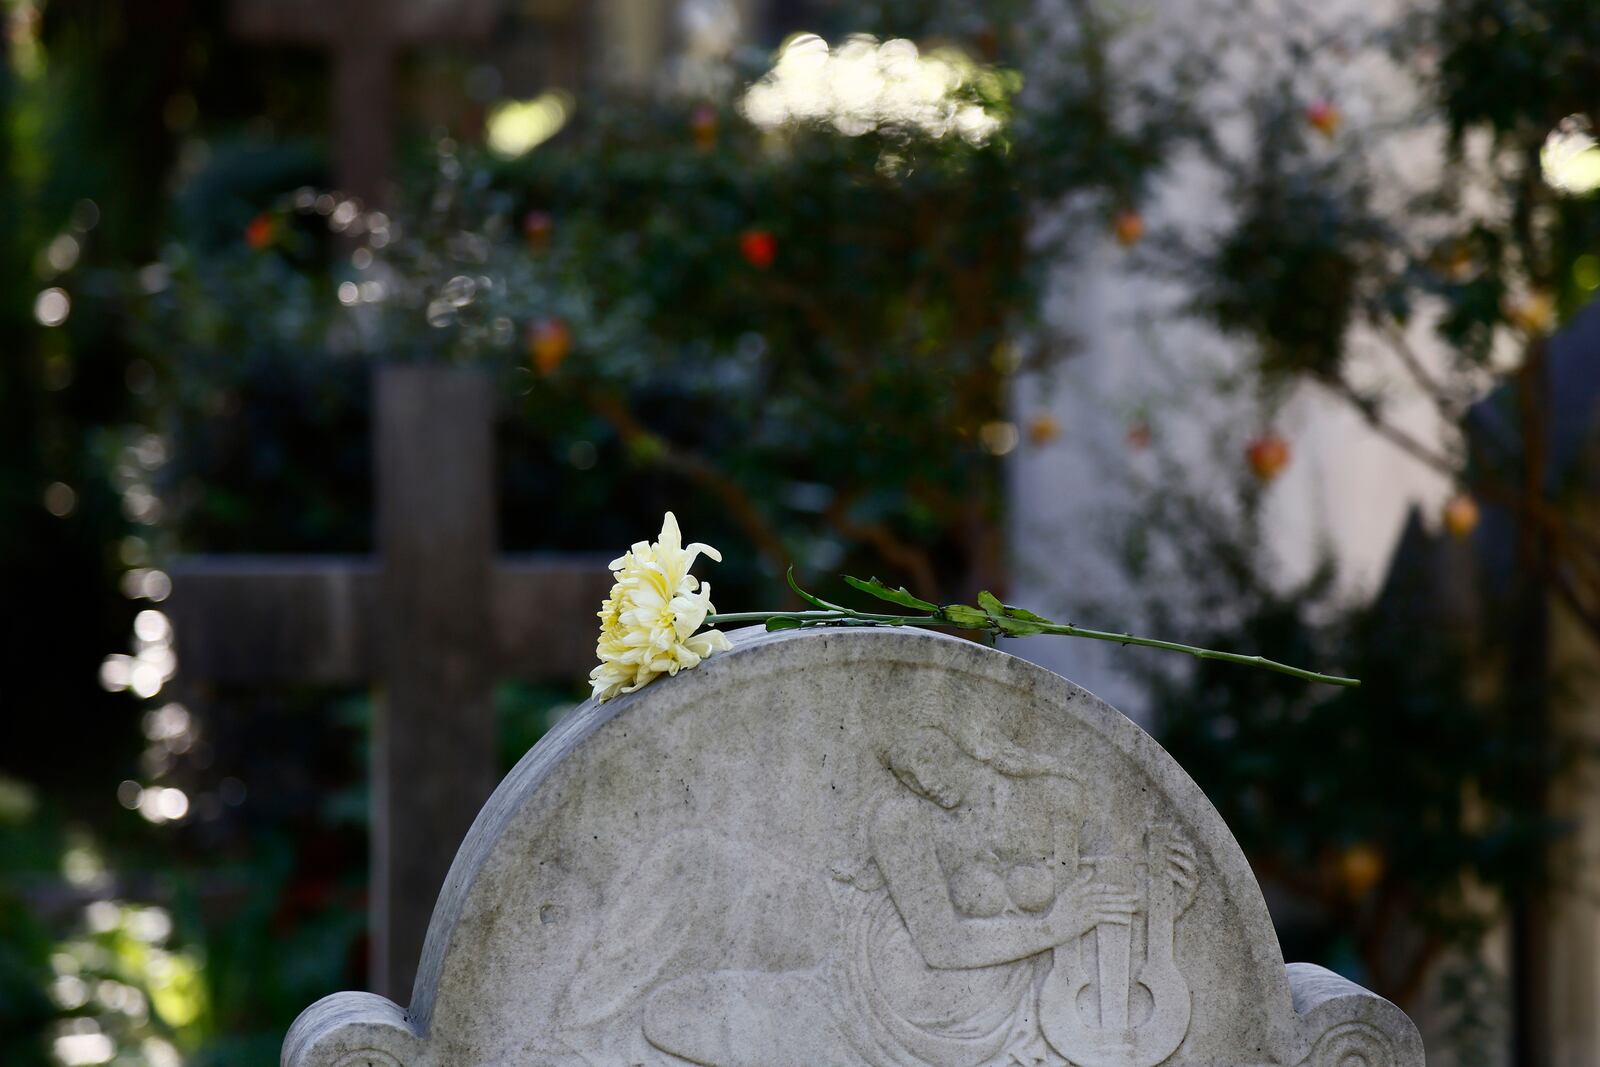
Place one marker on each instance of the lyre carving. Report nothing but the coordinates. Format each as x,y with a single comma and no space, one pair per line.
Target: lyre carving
1086,1001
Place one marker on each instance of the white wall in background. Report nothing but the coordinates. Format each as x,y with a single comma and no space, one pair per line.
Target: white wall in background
1344,484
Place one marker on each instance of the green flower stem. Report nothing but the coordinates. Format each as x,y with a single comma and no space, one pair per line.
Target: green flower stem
845,615
1067,630
814,617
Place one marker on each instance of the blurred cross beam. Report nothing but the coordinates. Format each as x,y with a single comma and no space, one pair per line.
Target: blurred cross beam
315,620
364,37
434,619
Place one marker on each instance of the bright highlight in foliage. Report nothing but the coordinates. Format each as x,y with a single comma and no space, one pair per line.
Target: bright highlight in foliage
648,623
1570,158
516,127
863,86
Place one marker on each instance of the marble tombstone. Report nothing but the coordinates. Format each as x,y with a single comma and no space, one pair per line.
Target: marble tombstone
854,848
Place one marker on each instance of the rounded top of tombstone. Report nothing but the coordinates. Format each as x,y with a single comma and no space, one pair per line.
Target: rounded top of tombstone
855,846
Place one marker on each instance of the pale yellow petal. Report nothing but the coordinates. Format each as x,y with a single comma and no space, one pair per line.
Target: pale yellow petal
704,644
648,623
706,550
670,537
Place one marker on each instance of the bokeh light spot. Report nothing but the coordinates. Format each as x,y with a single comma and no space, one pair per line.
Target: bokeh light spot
1570,158
1586,271
52,306
60,499
62,253
999,437
864,85
517,127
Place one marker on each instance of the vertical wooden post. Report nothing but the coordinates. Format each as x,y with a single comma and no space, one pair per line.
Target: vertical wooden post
363,90
433,728
1527,695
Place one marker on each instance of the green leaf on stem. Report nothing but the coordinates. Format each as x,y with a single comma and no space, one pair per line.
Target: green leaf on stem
965,615
898,596
784,622
1013,627
807,597
1014,622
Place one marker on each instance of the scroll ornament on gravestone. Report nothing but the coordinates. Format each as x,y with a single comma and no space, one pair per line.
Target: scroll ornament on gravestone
856,846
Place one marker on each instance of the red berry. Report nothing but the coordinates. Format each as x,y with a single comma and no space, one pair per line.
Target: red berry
1324,117
536,227
759,248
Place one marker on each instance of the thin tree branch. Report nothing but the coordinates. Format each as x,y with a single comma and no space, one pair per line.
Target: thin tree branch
697,469
909,558
1404,440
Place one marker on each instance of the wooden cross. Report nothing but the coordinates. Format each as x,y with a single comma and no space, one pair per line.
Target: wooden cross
435,619
364,36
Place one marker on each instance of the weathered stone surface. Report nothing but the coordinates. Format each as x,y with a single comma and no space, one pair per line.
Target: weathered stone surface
862,847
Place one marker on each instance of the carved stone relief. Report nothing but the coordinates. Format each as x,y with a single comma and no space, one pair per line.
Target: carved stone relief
974,930
866,849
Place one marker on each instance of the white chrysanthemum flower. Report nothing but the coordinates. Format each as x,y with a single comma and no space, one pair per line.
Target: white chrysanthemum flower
648,623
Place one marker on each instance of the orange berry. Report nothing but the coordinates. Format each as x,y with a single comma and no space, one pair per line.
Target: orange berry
549,343
1267,455
1532,312
261,232
1128,227
1324,117
703,126
1457,263
1461,516
1139,435
1361,868
1043,428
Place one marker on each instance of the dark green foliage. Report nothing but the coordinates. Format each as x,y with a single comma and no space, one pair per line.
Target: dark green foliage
827,406
1286,279
862,360
31,847
1511,65
1291,273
